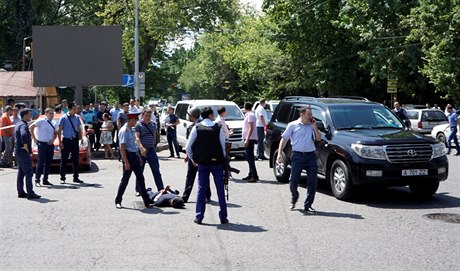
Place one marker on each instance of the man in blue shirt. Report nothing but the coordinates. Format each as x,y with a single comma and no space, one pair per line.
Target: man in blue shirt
22,151
171,122
69,133
114,115
146,137
302,133
453,122
131,161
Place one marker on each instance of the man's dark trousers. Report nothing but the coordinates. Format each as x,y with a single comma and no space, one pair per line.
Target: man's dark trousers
24,170
260,142
152,158
251,159
300,161
135,165
70,147
45,157
171,136
190,180
217,172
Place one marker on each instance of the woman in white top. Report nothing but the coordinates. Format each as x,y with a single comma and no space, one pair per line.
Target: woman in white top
221,120
106,136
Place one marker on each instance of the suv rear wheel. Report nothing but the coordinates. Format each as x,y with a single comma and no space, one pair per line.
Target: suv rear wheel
281,170
341,184
424,190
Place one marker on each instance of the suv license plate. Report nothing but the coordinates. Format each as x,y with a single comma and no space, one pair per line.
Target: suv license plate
415,172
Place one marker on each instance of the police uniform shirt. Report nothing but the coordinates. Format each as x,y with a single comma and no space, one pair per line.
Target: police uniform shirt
126,136
45,130
146,135
193,134
67,129
22,136
301,136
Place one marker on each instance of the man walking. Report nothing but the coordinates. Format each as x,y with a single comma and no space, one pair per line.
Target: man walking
23,151
171,121
44,136
69,133
7,137
261,122
453,122
250,139
206,150
193,115
302,133
146,135
131,161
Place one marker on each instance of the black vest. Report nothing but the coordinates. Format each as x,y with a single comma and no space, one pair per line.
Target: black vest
206,148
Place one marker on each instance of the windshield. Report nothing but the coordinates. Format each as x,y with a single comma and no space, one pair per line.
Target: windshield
233,112
363,116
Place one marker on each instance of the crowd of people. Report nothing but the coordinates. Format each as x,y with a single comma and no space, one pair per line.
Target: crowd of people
133,132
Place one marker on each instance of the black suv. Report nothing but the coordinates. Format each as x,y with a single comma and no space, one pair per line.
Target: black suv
363,142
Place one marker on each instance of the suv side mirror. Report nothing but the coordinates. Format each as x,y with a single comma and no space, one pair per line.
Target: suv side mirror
320,126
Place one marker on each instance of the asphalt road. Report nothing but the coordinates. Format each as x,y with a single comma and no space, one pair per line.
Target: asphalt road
76,227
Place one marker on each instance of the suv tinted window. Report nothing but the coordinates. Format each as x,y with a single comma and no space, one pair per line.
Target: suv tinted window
283,112
433,116
363,116
181,111
233,112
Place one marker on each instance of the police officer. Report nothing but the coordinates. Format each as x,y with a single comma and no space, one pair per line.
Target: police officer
302,133
193,115
69,132
206,150
22,151
146,135
131,160
44,136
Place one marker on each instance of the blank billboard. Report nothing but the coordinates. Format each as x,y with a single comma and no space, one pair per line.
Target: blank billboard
77,56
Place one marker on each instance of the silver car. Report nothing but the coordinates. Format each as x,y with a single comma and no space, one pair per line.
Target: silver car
423,120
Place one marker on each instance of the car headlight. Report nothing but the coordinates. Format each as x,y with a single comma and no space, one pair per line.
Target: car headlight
438,150
370,152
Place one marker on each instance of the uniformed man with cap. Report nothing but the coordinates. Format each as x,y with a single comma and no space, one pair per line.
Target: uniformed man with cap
206,149
193,115
131,160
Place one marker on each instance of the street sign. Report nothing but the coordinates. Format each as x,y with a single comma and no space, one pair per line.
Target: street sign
392,90
128,80
392,84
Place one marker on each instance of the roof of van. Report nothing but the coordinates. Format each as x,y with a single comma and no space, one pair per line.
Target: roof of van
206,102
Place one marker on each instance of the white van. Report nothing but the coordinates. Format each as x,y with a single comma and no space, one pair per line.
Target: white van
234,120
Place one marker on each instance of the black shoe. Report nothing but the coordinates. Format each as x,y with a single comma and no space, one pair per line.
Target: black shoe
185,199
247,178
138,194
77,180
62,181
171,156
118,205
33,196
7,166
253,180
292,206
37,183
224,221
457,154
310,210
197,221
47,183
22,196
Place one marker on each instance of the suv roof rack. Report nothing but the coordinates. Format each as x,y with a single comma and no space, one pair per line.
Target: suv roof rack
350,97
300,98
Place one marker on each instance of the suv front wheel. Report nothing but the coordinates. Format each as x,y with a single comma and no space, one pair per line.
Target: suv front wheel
424,190
281,170
341,184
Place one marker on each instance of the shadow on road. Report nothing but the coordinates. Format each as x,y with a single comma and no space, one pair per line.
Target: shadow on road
229,204
333,214
238,227
45,200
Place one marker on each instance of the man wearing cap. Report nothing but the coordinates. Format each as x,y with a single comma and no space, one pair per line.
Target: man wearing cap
44,133
146,136
131,161
171,121
193,115
69,133
302,133
206,150
23,151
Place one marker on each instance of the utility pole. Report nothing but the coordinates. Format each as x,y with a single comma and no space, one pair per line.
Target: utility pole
136,50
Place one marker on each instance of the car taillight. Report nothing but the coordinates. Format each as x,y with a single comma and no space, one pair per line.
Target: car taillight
420,125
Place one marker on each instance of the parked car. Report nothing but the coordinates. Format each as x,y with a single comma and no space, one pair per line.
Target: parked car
441,133
84,156
363,143
423,120
234,120
270,107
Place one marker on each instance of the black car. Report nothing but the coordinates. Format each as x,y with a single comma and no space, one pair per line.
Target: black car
363,143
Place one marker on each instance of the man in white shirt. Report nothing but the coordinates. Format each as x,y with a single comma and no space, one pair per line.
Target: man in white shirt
44,133
261,122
